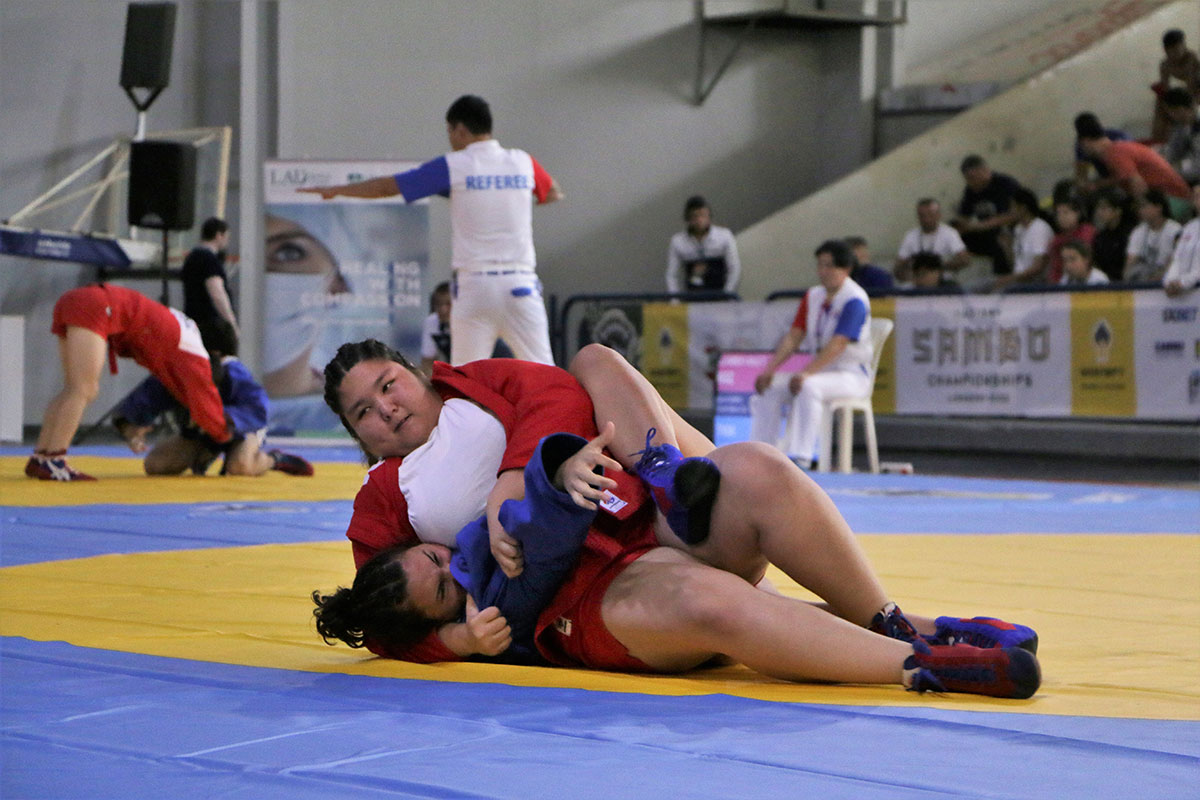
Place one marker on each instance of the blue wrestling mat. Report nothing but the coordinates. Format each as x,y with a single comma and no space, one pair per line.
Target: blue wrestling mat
1118,716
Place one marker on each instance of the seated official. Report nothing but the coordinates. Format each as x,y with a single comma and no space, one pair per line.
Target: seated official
833,321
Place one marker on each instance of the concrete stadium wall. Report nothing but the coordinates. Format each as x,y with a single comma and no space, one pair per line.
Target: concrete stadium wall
1026,132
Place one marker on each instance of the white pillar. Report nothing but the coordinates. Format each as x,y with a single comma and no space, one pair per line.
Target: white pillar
12,388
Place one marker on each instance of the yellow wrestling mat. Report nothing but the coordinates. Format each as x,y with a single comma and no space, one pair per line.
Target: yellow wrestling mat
122,481
1118,616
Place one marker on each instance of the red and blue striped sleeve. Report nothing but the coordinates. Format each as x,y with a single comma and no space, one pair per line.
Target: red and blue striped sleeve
432,177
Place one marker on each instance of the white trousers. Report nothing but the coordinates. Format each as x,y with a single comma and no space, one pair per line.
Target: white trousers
769,410
505,302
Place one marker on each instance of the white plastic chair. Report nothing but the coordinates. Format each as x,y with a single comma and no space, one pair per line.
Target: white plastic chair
881,329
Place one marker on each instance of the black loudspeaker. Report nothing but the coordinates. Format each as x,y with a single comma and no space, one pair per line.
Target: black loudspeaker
162,185
149,36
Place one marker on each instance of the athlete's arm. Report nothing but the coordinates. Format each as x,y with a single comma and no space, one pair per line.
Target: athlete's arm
383,186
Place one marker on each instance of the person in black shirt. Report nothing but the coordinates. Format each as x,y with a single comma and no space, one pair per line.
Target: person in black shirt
985,212
205,285
1114,221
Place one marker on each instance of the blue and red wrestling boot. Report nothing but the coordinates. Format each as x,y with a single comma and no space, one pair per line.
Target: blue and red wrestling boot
983,632
684,489
993,671
975,631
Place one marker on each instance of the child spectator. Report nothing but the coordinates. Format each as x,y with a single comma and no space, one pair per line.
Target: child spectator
1152,242
1077,266
435,333
928,275
1069,216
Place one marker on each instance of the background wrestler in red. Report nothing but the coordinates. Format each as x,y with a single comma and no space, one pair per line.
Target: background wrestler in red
91,320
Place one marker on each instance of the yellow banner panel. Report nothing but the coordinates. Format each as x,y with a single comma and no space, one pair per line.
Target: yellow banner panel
884,399
665,350
1102,355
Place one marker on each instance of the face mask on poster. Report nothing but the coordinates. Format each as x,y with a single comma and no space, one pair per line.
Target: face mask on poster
296,305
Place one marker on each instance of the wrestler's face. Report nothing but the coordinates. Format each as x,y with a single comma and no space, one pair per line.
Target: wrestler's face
432,590
391,410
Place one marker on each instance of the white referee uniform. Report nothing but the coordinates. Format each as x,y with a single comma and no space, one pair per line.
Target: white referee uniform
496,290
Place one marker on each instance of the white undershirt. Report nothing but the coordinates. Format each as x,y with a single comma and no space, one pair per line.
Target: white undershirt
446,481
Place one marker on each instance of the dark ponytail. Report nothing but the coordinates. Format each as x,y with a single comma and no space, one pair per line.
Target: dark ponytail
374,607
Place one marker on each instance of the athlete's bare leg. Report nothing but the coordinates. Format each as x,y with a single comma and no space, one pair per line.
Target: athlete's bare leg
247,459
172,456
82,354
674,613
622,395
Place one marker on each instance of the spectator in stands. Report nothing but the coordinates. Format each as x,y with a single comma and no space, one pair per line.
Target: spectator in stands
985,212
703,257
1152,242
834,320
1031,242
1179,68
1113,219
1078,269
866,274
1184,273
1182,149
929,276
1072,226
1084,163
930,236
1136,167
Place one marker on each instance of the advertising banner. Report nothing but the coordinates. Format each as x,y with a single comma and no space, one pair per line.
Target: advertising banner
665,350
337,271
1167,332
884,398
983,355
1102,355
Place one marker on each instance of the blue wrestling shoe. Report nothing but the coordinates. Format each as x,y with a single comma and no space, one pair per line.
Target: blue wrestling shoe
983,632
892,623
995,672
684,489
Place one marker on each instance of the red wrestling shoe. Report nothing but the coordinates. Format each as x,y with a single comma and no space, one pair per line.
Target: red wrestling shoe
995,672
45,468
290,464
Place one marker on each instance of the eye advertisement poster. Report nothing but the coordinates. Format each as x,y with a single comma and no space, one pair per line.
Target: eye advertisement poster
338,270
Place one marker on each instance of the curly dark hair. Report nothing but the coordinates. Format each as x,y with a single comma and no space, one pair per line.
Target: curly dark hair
374,607
349,355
